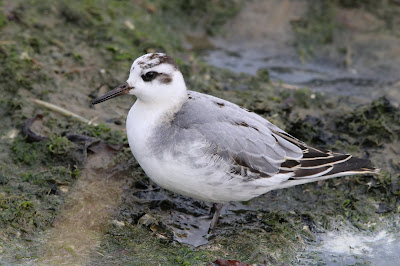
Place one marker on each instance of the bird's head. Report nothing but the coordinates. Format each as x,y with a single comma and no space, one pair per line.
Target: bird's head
153,78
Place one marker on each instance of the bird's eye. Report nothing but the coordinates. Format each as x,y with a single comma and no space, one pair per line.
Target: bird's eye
149,76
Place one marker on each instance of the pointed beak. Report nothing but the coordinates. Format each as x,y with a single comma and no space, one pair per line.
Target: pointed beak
120,90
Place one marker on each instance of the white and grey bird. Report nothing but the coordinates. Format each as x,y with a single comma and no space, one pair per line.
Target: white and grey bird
213,150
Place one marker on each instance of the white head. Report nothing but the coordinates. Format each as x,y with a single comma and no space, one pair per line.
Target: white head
153,78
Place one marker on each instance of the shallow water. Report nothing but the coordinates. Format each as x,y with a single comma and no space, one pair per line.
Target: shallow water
313,75
261,37
338,248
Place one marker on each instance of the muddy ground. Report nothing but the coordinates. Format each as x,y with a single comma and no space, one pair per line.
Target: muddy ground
75,195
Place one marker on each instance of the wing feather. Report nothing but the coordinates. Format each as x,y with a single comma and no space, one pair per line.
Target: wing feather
254,147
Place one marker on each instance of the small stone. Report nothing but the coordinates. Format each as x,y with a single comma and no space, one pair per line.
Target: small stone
129,25
64,189
147,220
25,55
118,223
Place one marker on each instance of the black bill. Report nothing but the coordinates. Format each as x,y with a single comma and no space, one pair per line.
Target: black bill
120,90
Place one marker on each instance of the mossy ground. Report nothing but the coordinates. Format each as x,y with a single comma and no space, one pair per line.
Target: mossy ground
68,52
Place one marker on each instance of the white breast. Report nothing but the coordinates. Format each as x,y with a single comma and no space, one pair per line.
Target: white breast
138,124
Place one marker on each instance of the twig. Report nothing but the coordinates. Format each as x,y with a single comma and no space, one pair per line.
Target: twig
63,111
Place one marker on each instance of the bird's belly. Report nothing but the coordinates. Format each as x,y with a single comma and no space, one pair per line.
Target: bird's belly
206,184
204,180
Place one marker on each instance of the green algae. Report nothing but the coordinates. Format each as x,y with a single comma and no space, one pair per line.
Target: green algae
373,124
103,132
3,18
139,245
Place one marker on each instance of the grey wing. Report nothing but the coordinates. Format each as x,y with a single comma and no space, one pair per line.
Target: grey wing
249,142
255,148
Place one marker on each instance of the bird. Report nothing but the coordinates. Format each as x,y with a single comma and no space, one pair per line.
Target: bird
210,149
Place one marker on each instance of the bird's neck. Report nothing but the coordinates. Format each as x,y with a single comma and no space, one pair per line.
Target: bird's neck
147,114
155,111
143,118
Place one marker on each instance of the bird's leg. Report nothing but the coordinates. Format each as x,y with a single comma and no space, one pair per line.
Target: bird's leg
216,208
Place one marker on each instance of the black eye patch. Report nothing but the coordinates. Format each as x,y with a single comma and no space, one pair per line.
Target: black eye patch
149,76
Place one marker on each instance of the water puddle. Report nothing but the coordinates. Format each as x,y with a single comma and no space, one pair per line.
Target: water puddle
174,217
193,230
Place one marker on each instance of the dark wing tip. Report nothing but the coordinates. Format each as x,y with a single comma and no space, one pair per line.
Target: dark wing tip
353,165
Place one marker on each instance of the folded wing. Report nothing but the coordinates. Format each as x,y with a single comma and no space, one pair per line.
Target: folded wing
255,148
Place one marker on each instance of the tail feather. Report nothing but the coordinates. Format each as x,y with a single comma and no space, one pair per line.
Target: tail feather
318,164
337,165
353,165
